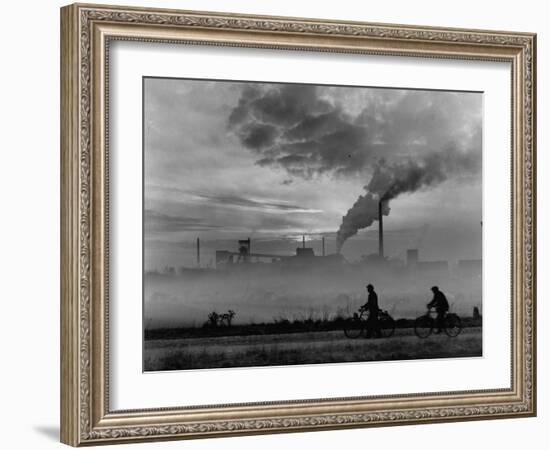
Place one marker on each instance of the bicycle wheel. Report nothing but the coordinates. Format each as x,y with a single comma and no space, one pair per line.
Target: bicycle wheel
387,325
353,328
423,326
453,325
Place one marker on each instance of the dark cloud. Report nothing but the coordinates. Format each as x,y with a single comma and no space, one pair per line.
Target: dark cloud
156,222
283,105
258,136
308,131
410,175
232,200
243,202
294,127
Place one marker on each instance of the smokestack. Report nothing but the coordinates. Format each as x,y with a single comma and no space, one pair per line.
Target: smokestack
303,241
323,246
198,252
380,231
412,258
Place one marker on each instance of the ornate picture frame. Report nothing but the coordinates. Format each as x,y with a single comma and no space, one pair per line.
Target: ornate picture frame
86,34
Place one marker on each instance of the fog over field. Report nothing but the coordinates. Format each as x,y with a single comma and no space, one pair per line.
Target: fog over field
172,300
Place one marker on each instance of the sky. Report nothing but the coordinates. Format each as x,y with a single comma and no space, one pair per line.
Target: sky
226,160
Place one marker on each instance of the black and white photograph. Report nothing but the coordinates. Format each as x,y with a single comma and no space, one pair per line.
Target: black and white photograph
290,224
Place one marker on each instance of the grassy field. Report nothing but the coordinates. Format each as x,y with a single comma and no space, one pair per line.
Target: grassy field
303,348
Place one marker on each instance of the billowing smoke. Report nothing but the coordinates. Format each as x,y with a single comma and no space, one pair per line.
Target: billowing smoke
361,215
406,176
406,140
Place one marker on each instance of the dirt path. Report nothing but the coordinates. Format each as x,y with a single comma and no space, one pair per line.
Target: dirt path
304,348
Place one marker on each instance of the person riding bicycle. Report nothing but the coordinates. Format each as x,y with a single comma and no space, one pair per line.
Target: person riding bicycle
373,324
441,305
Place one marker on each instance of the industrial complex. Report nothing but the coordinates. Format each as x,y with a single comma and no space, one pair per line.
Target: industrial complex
305,257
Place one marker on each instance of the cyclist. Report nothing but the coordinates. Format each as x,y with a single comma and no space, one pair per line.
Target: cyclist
373,325
441,305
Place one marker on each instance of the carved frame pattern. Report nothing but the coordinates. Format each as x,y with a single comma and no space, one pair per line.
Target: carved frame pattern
81,396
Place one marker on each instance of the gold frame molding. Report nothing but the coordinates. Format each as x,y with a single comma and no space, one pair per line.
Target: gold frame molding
86,31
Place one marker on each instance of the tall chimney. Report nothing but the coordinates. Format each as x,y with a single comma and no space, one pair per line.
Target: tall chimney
323,246
303,241
380,231
198,252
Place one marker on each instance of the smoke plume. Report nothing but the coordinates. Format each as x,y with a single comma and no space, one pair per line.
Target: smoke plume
388,181
406,140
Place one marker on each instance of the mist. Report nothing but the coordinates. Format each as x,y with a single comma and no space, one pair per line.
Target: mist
256,296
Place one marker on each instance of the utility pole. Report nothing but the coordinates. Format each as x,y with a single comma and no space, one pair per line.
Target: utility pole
198,252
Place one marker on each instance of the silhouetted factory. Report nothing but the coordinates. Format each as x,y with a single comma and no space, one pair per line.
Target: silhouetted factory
305,256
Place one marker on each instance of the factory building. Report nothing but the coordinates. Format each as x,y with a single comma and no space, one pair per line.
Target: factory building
304,256
413,263
470,267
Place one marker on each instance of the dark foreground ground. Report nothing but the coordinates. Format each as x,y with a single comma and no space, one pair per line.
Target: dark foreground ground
303,348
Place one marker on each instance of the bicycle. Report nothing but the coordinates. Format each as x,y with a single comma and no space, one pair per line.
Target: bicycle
356,326
425,324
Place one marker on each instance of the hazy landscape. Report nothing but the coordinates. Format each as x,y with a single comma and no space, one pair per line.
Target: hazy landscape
266,294
268,208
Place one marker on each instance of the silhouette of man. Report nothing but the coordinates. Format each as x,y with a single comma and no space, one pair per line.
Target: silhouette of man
373,325
441,305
